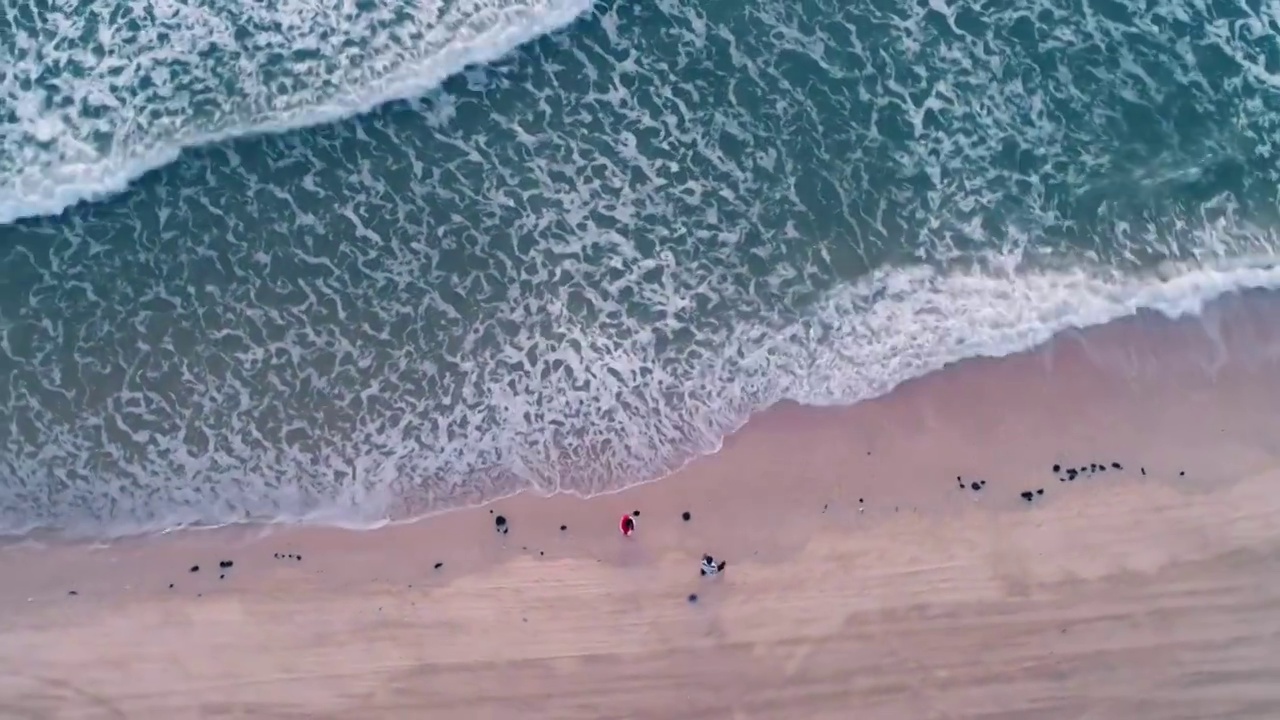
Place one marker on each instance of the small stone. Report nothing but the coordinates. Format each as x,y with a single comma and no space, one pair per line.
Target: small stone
170,586
222,577
194,568
72,592
225,564
685,516
1040,491
975,486
635,513
1144,471
439,565
1028,495
1057,468
693,597
1117,466
563,528
298,558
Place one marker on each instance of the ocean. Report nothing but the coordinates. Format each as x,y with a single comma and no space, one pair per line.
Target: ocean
359,261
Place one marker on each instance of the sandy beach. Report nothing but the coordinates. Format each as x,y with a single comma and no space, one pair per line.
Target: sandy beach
1117,559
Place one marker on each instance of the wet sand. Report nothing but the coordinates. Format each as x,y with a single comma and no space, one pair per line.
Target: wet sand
866,576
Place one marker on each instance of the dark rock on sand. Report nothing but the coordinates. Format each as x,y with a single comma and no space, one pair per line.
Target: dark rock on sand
563,528
693,597
1057,468
1040,491
685,516
1117,466
439,565
635,513
225,564
1028,495
194,568
975,486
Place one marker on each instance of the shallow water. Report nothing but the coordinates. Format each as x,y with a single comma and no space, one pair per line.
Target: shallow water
578,265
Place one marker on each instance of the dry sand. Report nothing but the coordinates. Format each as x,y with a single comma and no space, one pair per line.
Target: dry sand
863,582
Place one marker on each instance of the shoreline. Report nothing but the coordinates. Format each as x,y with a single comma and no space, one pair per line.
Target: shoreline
1145,320
1113,344
865,569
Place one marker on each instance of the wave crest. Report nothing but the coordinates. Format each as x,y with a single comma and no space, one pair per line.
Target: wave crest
96,94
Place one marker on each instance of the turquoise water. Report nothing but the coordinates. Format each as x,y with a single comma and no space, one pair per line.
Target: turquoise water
350,262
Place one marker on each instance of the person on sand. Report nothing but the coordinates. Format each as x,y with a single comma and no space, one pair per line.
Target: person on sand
710,566
627,525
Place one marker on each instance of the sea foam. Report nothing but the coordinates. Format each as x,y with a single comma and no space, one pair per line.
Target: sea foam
87,117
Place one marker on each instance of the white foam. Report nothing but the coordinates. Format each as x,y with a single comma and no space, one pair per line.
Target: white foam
854,348
136,97
922,320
